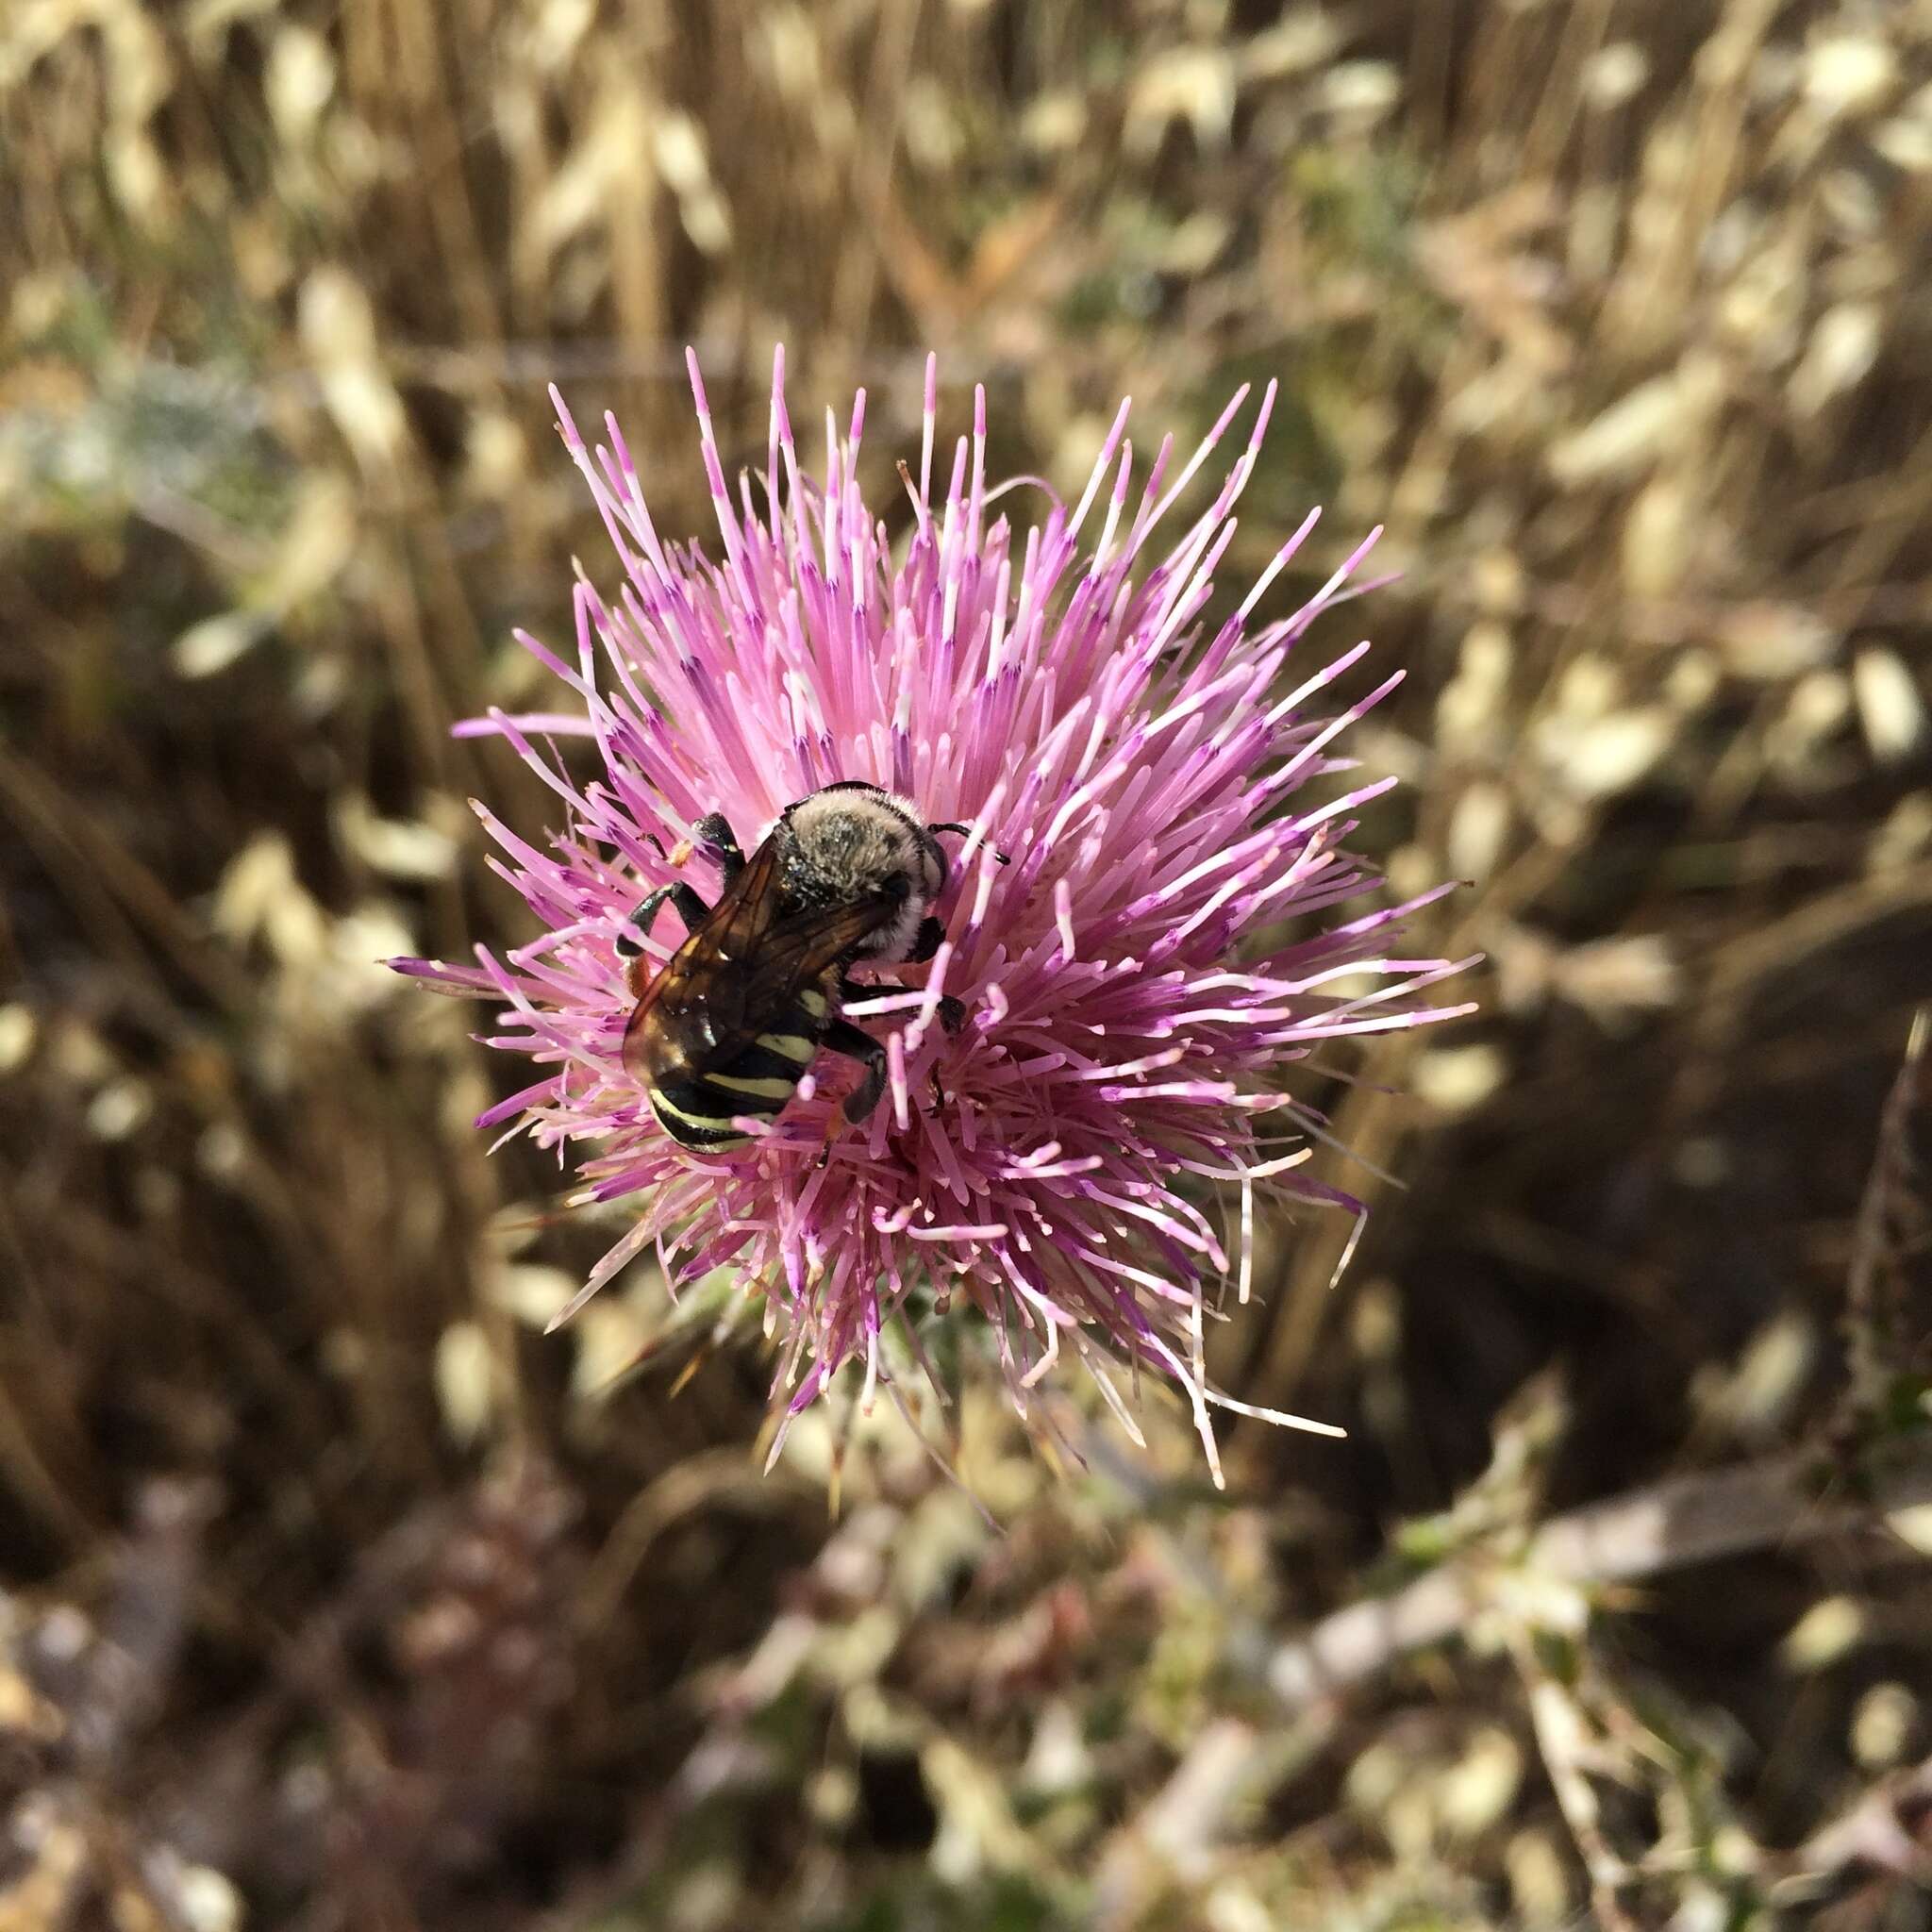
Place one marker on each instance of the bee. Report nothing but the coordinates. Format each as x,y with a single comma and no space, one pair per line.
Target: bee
742,1007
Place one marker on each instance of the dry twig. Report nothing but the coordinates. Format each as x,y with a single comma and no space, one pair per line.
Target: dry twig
1647,1532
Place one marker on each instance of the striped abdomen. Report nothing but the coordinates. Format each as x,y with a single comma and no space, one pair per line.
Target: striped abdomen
698,1113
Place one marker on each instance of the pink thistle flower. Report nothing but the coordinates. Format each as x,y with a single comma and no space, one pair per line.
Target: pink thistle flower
1059,697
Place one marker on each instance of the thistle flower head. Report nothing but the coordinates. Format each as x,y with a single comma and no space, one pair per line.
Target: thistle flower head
1110,1112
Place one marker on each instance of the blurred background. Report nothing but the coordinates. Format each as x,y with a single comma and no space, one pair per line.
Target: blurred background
338,1595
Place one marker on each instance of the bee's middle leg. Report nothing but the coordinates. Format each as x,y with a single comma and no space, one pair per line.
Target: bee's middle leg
841,1036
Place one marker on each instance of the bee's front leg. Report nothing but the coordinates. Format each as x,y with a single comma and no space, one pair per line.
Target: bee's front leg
841,1036
714,833
925,943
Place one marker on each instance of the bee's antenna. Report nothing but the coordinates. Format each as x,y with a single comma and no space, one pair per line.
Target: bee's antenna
962,830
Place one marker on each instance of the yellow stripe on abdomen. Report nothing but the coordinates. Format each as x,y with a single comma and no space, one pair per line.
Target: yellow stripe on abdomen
758,1089
668,1112
791,1046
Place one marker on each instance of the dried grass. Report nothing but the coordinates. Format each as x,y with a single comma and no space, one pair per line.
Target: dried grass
1614,313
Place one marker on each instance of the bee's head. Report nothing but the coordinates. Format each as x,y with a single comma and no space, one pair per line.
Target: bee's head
853,841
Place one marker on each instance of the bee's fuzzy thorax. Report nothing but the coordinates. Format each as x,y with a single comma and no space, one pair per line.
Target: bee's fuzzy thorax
847,843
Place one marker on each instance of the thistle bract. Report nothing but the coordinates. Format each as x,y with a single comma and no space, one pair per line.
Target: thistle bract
1088,1187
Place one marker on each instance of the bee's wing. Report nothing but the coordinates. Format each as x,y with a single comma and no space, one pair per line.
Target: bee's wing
738,972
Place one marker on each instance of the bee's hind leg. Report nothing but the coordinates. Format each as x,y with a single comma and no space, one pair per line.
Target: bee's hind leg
714,833
841,1036
690,908
630,939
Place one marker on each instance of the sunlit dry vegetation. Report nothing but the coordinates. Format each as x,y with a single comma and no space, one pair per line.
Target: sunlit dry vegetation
338,1596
